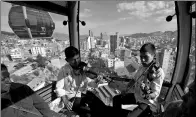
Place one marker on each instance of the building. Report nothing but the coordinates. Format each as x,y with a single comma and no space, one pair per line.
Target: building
96,54
4,51
91,41
159,56
4,59
62,55
26,53
127,40
16,53
24,70
120,53
131,64
168,64
84,43
122,41
119,68
113,43
105,37
104,55
38,50
36,83
110,62
99,42
127,53
118,40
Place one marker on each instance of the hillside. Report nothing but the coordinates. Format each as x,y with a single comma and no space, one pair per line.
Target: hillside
61,36
171,34
7,33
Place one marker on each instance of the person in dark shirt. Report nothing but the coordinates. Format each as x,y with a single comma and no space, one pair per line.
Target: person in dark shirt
185,107
17,96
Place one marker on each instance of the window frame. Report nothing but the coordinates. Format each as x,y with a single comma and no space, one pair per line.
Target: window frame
183,44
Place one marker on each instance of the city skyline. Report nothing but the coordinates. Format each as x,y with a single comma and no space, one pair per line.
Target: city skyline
113,16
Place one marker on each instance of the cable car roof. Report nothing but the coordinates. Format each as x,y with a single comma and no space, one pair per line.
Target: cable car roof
50,6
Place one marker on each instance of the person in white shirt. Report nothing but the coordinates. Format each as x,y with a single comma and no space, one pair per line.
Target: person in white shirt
146,88
72,82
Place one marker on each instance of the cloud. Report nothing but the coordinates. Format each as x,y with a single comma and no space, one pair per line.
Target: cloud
83,1
160,19
168,11
91,25
125,18
140,14
155,5
59,27
139,5
142,9
86,13
138,9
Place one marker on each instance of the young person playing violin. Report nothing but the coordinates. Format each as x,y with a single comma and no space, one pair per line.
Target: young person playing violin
72,81
147,85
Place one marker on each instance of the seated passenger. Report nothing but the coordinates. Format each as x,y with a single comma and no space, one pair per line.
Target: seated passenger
19,100
185,107
72,81
146,88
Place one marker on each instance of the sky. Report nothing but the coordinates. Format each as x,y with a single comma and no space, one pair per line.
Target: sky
113,16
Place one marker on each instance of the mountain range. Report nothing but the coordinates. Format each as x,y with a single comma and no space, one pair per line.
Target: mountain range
61,36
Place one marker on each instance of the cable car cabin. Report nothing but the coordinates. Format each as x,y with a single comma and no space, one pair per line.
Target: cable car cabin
35,22
30,23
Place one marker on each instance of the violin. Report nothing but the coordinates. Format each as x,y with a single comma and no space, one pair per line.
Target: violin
109,79
150,70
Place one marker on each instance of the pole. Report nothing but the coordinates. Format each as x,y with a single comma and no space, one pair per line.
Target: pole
73,23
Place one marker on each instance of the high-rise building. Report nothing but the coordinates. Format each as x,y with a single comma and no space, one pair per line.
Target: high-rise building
122,54
105,37
83,44
127,40
113,43
168,64
91,33
101,35
91,40
118,40
159,56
